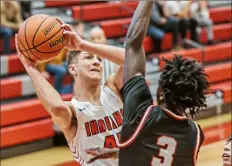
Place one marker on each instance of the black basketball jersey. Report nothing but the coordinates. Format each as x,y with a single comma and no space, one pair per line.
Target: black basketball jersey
160,138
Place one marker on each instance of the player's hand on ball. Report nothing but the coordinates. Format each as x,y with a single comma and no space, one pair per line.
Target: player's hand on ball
101,153
73,40
25,61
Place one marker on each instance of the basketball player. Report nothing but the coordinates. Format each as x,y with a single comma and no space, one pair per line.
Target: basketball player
157,135
93,118
226,157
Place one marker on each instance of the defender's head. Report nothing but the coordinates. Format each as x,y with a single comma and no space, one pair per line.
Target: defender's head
183,85
226,157
86,66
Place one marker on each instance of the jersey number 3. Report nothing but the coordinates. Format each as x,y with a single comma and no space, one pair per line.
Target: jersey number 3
168,148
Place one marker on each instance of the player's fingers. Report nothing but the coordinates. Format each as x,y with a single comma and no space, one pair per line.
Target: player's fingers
92,151
66,27
68,33
16,44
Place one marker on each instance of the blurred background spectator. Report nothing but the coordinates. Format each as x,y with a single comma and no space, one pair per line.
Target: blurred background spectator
10,22
200,13
181,10
160,23
58,69
79,27
97,35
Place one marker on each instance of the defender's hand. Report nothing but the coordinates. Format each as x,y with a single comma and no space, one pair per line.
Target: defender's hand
25,61
73,40
101,153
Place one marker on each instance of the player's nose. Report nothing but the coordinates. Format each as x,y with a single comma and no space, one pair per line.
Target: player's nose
96,61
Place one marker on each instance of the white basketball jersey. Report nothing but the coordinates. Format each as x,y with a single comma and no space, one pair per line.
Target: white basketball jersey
98,126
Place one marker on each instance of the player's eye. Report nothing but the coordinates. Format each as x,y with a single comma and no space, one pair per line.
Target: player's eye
100,60
89,57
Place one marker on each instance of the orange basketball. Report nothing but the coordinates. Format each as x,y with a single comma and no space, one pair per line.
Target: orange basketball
40,37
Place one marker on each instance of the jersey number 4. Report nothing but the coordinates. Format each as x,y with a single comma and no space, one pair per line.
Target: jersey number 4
167,150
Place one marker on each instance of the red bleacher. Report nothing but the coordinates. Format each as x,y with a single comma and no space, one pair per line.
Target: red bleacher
49,3
225,87
115,10
101,11
221,32
212,53
17,85
24,111
219,72
26,132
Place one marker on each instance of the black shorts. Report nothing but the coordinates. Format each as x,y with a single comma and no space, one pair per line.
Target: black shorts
136,98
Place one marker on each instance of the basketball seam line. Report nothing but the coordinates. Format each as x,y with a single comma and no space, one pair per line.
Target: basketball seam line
23,47
45,42
33,39
27,41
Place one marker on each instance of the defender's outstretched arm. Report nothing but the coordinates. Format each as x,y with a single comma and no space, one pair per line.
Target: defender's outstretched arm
135,59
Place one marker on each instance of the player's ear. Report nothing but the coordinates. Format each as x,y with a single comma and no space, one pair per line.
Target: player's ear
72,70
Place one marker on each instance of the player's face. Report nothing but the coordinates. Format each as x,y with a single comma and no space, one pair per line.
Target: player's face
226,157
89,66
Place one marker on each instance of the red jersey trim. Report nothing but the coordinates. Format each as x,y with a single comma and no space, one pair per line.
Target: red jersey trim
138,129
196,150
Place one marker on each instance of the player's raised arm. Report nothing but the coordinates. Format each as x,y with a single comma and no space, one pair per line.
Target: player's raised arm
75,42
60,111
135,59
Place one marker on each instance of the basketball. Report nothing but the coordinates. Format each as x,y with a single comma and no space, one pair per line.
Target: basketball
40,37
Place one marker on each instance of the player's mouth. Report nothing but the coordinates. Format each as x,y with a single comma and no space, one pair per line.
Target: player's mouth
225,156
95,70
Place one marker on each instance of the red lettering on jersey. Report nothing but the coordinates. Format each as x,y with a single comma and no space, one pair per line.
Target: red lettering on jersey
87,129
113,123
108,123
110,142
94,127
117,118
101,125
122,112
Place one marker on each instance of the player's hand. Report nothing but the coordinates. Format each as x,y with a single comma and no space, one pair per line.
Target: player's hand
73,40
101,153
25,61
